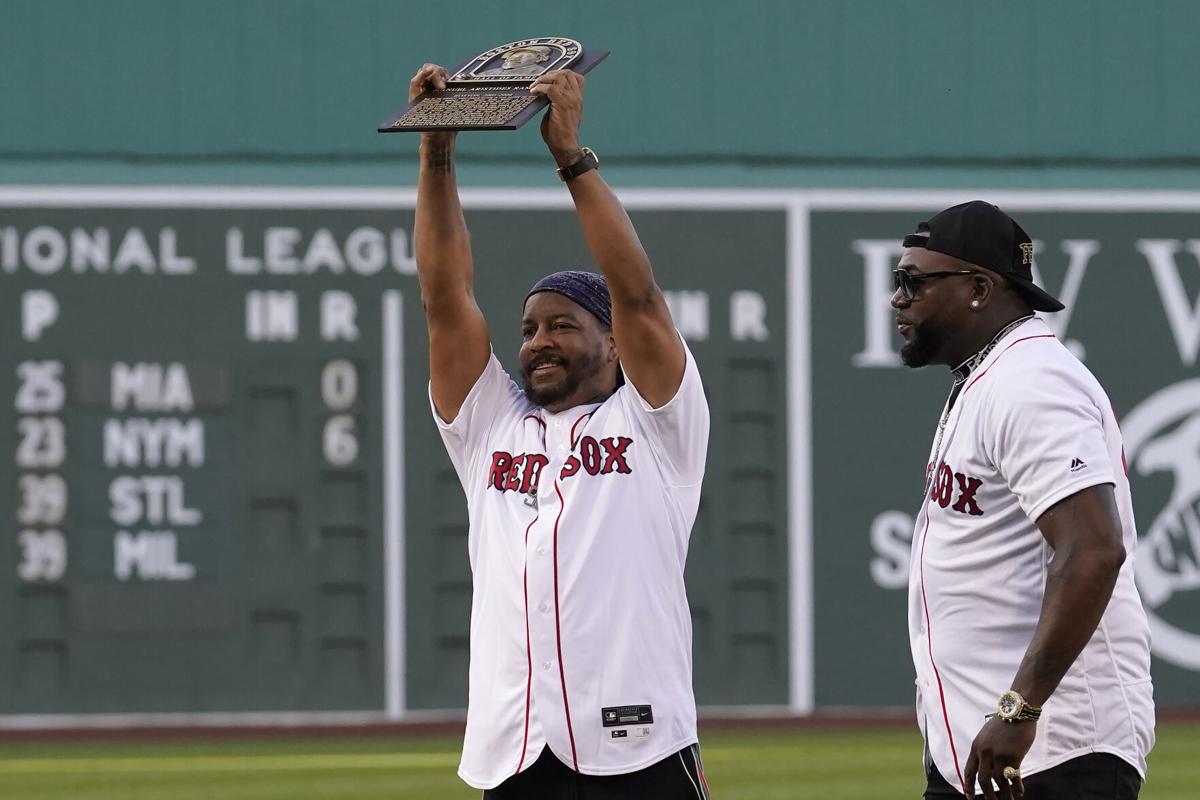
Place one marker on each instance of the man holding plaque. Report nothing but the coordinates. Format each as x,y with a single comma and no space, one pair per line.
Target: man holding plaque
581,488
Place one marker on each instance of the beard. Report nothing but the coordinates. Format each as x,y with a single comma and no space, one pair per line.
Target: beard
927,340
576,371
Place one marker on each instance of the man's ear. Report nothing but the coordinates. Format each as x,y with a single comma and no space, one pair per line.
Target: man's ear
983,289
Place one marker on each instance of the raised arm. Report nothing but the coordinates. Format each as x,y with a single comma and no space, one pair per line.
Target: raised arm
459,346
648,345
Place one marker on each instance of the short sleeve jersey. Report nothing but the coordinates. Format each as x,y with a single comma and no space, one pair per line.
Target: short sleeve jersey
579,524
1030,427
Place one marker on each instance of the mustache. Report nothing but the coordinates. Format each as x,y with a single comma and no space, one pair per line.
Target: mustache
544,361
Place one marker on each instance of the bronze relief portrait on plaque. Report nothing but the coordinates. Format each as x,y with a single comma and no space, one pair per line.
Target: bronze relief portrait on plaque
522,60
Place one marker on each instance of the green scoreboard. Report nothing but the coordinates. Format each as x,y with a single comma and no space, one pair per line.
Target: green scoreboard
222,485
223,493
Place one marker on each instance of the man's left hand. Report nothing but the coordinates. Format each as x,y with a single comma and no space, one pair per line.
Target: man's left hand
999,744
560,126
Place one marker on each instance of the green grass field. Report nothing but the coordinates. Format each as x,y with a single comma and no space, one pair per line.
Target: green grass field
853,765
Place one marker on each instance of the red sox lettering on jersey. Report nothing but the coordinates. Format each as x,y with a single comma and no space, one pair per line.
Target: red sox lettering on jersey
579,527
520,473
1030,427
942,490
511,473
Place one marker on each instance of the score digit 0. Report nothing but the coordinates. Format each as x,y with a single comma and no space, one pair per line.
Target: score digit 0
339,392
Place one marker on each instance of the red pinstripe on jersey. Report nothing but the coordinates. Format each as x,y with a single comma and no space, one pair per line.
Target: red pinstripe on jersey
528,649
937,673
562,674
539,421
575,441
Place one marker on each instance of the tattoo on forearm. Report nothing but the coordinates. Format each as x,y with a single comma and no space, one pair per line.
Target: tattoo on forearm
439,159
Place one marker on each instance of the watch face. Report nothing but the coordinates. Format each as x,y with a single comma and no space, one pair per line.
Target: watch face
1009,705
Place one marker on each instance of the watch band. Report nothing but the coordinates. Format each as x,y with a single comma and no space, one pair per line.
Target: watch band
1011,707
589,161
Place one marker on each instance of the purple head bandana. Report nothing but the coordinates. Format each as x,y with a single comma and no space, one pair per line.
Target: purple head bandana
585,288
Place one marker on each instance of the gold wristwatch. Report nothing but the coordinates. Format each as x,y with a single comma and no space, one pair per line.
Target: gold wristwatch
1011,707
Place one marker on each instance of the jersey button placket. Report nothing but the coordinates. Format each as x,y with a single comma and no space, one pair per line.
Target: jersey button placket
547,689
540,586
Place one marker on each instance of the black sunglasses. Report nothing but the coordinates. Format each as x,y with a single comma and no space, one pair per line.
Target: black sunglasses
907,281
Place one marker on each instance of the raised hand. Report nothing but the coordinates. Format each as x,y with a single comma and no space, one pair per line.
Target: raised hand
560,126
430,76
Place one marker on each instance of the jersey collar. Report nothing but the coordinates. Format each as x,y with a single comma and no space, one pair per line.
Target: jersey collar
964,370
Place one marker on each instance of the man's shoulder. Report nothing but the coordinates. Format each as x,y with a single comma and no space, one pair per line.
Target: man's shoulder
689,397
495,396
1027,359
1046,369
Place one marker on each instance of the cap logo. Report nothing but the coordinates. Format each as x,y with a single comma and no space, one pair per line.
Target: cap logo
1026,252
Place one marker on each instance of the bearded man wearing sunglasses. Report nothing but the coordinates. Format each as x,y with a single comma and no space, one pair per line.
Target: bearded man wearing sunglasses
1031,646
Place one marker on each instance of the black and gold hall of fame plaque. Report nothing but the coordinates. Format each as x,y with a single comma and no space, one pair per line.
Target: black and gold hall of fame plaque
491,91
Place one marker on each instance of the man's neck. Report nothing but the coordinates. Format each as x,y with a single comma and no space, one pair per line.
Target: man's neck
575,402
987,336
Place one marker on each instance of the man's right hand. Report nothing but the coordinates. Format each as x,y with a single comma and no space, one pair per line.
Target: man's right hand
430,76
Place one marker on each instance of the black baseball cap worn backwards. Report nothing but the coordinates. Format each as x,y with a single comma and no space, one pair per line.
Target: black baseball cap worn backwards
981,234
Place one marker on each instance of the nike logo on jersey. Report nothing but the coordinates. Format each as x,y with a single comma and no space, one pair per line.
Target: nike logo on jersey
1077,464
947,483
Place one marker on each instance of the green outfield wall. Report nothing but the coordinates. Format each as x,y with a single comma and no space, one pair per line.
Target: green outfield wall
771,92
221,488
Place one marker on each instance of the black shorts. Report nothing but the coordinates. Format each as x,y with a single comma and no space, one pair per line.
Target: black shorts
679,776
1095,776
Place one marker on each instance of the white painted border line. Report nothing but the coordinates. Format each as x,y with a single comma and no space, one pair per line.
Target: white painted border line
395,673
799,505
232,719
220,197
633,198
1012,199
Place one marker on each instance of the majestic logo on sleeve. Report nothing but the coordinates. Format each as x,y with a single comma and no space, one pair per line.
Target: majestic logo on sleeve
949,486
1162,438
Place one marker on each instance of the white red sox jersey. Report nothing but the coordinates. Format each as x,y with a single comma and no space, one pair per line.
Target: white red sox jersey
581,636
1031,426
